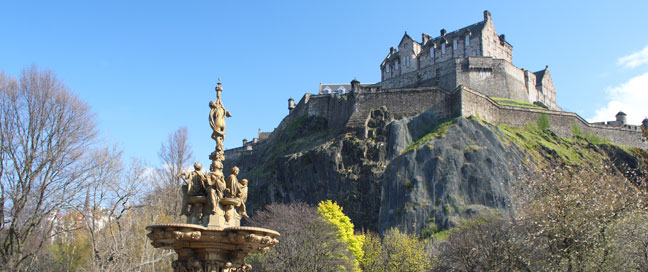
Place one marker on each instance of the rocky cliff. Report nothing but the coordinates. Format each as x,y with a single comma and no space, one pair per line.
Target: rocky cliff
417,173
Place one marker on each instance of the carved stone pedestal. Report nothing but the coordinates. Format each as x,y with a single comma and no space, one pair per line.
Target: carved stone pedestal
224,216
210,249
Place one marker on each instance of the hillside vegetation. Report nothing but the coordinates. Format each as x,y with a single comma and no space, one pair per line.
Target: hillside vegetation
475,196
421,173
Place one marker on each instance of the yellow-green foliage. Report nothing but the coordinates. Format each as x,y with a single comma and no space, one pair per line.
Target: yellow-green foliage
515,103
543,122
576,131
396,252
71,253
332,212
437,132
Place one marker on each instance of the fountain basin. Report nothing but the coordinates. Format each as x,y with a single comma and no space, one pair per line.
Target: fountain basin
211,249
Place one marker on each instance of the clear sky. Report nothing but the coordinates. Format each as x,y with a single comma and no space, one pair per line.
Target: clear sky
150,67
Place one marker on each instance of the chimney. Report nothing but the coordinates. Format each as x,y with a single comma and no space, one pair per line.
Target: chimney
245,141
259,133
424,38
487,16
392,50
502,39
291,104
355,85
443,32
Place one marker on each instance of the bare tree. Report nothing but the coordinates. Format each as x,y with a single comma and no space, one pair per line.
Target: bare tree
307,241
174,155
45,131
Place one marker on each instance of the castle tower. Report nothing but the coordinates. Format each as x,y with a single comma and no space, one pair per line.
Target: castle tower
621,118
355,84
291,103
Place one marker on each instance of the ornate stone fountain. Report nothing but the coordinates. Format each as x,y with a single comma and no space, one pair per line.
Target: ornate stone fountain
212,239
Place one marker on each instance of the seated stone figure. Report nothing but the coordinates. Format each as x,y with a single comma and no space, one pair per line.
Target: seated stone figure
194,186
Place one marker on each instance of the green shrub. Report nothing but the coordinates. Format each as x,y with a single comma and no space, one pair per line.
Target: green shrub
332,212
543,122
576,131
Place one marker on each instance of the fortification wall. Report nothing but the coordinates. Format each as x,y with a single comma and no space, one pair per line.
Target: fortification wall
493,77
442,74
335,108
402,102
235,153
475,103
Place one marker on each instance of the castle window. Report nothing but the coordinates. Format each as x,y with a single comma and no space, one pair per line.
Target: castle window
474,53
467,40
396,65
432,53
341,90
387,68
407,61
443,49
326,90
454,44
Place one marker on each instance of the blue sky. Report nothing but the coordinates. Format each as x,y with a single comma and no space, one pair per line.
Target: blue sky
150,67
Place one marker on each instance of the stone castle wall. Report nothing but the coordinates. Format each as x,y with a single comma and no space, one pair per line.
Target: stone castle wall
475,103
351,112
493,77
400,103
442,74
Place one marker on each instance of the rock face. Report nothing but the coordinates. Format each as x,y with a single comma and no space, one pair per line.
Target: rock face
414,173
468,171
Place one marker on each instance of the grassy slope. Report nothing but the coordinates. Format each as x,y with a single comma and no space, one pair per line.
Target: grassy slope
515,103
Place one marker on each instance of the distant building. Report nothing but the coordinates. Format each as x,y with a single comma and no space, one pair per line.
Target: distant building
334,88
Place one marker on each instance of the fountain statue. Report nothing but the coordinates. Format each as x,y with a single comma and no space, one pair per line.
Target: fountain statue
212,239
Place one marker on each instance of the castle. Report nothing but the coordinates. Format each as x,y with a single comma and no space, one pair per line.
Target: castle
467,72
473,56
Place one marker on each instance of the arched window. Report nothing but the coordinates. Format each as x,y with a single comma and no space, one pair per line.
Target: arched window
341,90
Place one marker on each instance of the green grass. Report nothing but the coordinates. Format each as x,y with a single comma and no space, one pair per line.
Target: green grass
540,143
516,103
438,131
298,135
